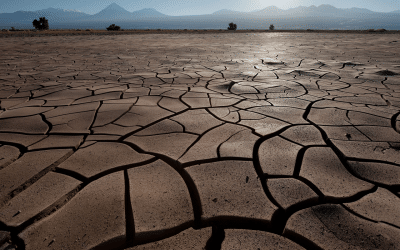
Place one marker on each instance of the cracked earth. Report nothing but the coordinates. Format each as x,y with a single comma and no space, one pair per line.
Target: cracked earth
200,141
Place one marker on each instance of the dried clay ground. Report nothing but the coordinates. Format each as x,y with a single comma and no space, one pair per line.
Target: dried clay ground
200,141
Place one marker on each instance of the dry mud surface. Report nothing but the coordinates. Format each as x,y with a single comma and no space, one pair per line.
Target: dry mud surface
200,141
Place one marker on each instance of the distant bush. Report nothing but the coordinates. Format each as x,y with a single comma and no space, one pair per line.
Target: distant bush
371,30
271,27
42,24
113,27
232,26
380,30
13,29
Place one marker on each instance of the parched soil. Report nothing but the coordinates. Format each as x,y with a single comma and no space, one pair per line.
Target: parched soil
200,140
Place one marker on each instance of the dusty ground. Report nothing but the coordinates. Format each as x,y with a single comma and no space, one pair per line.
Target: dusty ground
200,141
5,33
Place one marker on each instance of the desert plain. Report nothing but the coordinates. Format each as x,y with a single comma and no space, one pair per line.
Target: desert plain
200,141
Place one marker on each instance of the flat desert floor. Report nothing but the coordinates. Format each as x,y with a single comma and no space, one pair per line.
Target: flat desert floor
200,141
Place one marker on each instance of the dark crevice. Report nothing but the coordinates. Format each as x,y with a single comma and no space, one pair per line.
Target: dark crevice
51,148
393,121
353,198
311,203
193,192
216,239
390,224
116,119
310,185
119,168
278,218
301,240
219,146
211,160
300,156
49,210
33,179
122,138
356,214
17,242
300,62
355,127
183,127
372,161
22,150
49,125
339,154
291,141
130,223
71,174
198,139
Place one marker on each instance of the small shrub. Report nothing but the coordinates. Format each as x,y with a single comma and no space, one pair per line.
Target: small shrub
13,29
232,26
380,30
89,30
371,30
113,27
41,24
271,27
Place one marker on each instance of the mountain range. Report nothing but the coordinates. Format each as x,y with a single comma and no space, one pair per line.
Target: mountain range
314,17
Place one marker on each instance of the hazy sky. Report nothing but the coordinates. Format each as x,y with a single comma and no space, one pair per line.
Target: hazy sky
190,7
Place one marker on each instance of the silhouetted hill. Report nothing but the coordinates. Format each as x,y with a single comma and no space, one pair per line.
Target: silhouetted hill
323,10
114,12
269,11
147,13
50,13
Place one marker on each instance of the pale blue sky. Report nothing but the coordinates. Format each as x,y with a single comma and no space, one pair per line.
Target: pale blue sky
190,7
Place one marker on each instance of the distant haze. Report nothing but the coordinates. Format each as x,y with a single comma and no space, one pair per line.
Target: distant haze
313,17
190,7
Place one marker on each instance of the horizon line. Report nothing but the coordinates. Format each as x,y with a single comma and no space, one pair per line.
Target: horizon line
76,10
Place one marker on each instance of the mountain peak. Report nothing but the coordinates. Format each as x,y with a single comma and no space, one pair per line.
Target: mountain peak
114,6
148,13
112,10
